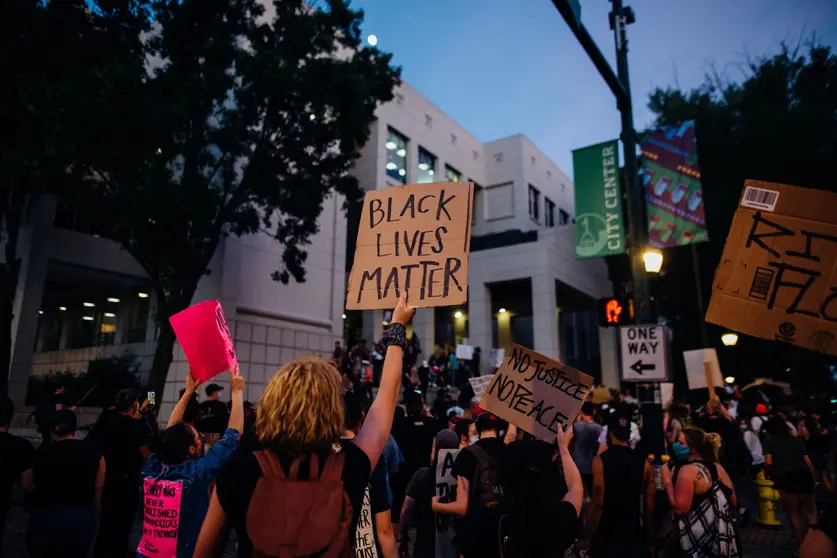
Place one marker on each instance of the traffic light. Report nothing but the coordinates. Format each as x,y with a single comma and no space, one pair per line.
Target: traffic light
615,311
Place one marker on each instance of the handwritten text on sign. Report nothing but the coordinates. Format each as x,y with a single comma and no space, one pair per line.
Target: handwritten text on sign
414,238
536,393
446,485
161,513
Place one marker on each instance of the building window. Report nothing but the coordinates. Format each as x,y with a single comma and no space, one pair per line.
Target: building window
451,174
548,212
426,166
563,217
534,204
396,156
476,205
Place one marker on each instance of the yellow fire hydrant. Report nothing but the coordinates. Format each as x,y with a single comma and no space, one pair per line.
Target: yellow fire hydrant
768,500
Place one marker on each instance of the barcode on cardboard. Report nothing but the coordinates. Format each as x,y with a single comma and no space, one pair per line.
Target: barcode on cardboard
759,198
761,283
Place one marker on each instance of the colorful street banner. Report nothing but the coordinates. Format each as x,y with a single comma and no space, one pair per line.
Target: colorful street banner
599,229
671,178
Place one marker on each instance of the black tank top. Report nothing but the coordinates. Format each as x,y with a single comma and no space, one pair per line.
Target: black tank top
621,516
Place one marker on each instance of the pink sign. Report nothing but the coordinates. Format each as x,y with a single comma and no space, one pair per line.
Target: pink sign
161,518
203,333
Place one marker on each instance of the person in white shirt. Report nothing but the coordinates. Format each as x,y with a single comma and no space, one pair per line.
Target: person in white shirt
759,418
751,439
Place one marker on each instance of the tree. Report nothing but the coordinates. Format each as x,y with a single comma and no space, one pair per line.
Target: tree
778,124
245,122
55,57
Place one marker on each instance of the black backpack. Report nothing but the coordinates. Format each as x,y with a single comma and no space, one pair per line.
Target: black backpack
486,487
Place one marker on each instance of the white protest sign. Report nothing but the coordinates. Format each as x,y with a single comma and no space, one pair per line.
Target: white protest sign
696,373
479,385
666,392
446,491
644,354
464,352
496,357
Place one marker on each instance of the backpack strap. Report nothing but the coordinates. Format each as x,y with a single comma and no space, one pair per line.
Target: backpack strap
333,468
272,467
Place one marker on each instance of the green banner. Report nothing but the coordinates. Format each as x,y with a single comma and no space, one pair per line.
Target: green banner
599,229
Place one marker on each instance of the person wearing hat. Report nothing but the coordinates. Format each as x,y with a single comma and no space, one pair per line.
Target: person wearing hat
68,476
620,479
759,418
417,510
214,415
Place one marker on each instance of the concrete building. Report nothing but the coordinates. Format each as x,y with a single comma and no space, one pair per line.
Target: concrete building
525,284
81,299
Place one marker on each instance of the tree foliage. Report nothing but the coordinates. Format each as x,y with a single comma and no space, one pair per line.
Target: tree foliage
245,120
779,124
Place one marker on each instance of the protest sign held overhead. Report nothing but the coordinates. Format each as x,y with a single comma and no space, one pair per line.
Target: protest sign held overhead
536,393
205,338
414,238
479,384
777,278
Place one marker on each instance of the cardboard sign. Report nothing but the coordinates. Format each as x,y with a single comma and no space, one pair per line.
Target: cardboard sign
364,535
536,393
777,278
161,518
696,371
414,238
446,485
479,385
202,331
464,352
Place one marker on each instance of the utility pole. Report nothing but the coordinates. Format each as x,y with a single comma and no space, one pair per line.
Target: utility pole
619,83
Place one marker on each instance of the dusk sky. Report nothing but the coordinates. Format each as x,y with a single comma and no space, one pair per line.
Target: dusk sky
502,67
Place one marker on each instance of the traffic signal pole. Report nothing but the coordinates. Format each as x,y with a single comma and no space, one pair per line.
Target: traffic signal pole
619,83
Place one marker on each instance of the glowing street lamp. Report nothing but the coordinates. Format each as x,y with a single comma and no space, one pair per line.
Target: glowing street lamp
729,339
653,259
730,380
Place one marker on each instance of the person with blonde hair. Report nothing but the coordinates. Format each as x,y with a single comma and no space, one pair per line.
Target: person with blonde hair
300,496
703,499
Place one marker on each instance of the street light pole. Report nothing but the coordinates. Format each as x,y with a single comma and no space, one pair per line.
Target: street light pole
620,18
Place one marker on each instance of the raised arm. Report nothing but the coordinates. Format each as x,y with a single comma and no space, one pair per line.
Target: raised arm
177,413
575,488
373,436
237,412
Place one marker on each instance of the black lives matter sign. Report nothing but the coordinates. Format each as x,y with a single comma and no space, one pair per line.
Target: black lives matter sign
777,278
413,238
535,393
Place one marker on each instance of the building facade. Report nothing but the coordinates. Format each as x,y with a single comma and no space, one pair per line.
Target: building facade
81,299
525,284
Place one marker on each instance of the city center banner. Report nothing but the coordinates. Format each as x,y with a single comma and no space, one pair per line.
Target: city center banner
599,226
671,179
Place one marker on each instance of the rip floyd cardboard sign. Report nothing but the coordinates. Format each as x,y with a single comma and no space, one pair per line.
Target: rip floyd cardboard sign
203,334
777,278
414,238
535,393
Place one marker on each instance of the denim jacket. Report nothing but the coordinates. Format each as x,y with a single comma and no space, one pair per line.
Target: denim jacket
196,476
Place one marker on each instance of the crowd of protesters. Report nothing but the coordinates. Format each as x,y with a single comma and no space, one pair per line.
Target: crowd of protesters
339,458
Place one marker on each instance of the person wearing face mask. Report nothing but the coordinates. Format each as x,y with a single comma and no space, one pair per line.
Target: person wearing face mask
123,437
181,460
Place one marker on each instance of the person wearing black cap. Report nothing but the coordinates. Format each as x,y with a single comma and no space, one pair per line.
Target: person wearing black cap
620,478
417,510
214,415
479,493
69,475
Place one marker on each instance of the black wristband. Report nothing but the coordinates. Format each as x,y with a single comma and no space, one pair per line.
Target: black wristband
396,334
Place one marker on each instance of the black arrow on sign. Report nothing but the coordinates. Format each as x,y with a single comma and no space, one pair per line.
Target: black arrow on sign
639,368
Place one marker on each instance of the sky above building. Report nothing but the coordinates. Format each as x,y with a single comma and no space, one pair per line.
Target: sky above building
502,67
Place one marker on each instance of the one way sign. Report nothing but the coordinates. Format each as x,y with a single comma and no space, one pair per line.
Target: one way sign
644,353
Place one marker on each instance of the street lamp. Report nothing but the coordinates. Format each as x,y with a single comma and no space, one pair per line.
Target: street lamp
502,310
457,315
730,380
729,339
653,260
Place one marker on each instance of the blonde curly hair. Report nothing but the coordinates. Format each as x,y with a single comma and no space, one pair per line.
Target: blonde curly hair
301,410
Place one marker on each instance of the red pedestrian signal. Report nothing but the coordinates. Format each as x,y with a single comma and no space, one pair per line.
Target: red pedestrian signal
615,311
